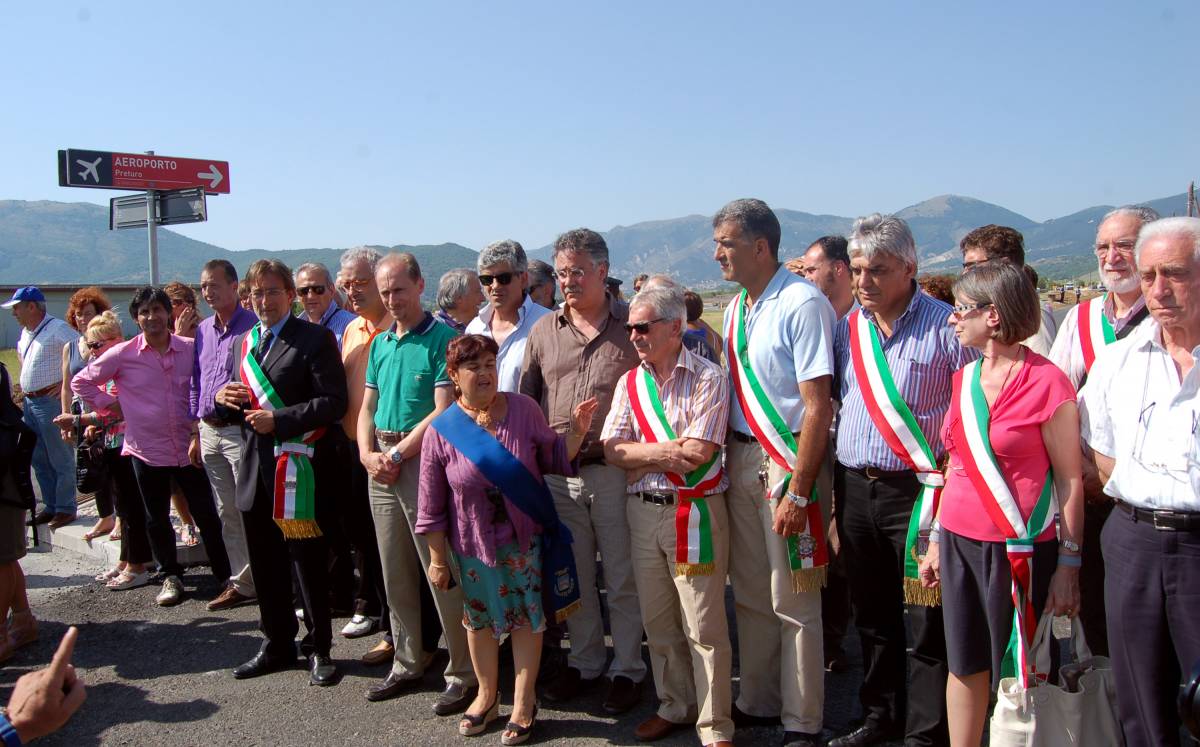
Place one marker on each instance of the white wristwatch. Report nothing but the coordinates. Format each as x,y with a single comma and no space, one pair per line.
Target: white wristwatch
800,500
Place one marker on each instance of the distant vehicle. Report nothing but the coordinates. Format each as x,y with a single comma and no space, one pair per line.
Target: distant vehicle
1069,287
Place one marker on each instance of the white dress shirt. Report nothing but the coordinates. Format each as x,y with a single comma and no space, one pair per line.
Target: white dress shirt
512,352
1067,353
40,353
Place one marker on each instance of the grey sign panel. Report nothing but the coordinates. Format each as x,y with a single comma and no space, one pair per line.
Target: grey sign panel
176,206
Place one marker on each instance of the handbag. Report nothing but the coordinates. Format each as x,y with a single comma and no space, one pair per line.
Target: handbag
90,469
1079,710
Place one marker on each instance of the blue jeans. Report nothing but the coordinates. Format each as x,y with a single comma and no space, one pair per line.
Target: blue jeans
53,459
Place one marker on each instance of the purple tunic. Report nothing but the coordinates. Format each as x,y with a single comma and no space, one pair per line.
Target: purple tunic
453,492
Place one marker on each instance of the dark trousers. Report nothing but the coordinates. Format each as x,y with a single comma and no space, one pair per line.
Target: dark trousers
121,485
1091,578
155,486
354,510
1152,584
872,524
273,560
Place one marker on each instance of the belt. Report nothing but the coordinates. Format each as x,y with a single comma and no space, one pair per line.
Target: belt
871,473
213,421
657,498
591,460
739,436
1164,521
389,438
46,391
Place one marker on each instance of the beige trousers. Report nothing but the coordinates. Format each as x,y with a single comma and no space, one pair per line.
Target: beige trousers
684,617
781,659
221,452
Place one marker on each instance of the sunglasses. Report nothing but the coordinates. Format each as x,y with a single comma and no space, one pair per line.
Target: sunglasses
503,278
963,309
641,327
317,289
98,345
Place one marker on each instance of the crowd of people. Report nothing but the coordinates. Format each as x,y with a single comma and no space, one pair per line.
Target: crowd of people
848,443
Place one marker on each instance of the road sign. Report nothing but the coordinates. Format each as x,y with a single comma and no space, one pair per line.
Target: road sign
106,170
178,206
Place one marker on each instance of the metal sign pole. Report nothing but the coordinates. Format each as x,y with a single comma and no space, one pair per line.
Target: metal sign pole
152,230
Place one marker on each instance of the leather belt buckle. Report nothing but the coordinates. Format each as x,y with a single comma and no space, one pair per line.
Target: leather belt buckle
389,438
873,473
1164,521
657,498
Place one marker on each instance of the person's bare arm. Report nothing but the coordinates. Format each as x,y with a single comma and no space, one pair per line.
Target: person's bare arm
1060,435
64,391
377,465
665,456
410,445
810,453
44,700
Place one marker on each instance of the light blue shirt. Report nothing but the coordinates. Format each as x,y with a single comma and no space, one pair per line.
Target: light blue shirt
274,333
512,352
789,338
336,320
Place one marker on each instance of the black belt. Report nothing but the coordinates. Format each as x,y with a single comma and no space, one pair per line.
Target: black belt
1164,521
739,436
871,473
657,498
213,421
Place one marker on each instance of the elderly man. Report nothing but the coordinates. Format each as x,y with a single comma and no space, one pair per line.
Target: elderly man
827,266
1007,244
288,391
317,292
1085,335
406,387
458,298
39,349
1139,413
221,438
581,351
895,359
511,313
667,427
542,283
778,341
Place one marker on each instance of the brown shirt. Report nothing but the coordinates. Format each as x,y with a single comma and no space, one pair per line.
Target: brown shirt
563,368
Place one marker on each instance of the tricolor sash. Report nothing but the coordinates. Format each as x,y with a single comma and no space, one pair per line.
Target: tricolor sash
807,555
560,582
900,431
294,507
979,462
693,523
1095,331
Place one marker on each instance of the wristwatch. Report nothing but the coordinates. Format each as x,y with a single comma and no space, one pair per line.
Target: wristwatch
1069,545
800,500
396,457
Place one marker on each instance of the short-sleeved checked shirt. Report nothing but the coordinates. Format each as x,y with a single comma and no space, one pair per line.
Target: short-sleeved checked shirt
405,369
40,353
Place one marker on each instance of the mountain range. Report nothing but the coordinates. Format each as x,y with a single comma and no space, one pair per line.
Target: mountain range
57,242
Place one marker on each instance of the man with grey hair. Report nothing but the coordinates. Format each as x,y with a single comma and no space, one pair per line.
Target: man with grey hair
1139,411
317,293
458,298
580,351
694,340
541,283
510,313
667,428
778,344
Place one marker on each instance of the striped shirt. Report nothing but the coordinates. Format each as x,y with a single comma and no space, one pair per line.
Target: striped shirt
922,355
695,398
40,353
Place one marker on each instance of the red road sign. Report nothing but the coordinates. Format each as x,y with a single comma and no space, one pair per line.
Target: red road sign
106,170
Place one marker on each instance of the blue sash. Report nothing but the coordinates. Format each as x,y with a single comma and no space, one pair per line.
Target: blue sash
560,583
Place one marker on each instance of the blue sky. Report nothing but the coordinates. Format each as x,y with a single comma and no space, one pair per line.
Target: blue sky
349,123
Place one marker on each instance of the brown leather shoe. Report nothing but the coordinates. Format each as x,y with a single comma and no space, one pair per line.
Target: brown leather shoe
381,654
60,520
228,599
656,727
722,743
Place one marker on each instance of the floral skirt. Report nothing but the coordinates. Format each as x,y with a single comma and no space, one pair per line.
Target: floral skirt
507,597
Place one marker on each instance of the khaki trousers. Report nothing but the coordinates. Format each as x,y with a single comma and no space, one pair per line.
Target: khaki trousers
684,617
593,508
221,452
404,557
780,650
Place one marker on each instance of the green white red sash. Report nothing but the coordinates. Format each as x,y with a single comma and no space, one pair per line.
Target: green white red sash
295,484
1095,331
979,462
807,555
895,422
693,522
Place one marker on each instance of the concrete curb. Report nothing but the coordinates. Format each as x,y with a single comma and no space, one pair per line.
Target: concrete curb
69,538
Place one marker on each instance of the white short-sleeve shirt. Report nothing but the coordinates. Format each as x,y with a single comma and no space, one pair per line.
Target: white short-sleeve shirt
512,352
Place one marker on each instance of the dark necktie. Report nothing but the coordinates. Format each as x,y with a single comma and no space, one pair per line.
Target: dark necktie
260,350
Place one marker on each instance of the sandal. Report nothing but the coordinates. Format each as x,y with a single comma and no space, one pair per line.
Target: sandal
520,734
476,724
115,534
97,531
189,536
129,580
110,574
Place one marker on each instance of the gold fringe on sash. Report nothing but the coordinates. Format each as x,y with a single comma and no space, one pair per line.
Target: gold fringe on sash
694,569
915,593
299,529
809,579
570,609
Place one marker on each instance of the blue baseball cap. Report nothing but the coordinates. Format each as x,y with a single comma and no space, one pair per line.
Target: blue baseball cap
28,293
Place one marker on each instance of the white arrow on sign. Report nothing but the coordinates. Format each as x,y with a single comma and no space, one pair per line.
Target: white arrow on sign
213,174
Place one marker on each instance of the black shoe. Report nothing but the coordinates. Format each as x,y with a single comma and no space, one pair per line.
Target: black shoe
43,517
867,734
800,739
392,686
322,671
743,720
568,685
454,699
553,663
623,694
261,664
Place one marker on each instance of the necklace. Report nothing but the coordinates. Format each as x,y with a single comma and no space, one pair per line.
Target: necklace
480,414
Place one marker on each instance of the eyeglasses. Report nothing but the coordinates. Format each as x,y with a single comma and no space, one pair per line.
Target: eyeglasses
355,283
100,344
963,309
259,295
503,278
641,327
1124,246
572,274
969,265
317,289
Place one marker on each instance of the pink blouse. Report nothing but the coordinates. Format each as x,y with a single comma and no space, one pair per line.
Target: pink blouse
1035,393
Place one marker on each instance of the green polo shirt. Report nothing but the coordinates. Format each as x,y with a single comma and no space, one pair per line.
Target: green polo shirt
405,369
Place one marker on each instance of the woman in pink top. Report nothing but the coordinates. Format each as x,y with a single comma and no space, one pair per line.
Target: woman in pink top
1023,407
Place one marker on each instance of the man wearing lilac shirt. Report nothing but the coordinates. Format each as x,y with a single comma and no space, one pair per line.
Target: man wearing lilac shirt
220,439
153,373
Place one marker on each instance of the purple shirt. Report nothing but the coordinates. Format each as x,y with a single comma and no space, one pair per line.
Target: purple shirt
210,372
153,393
453,497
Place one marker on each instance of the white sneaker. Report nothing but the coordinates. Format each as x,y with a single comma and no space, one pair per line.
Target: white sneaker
300,614
359,626
172,592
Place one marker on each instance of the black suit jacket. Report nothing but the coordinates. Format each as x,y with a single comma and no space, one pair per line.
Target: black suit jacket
305,367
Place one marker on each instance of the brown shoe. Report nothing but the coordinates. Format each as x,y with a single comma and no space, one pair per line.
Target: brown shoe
655,728
60,520
722,743
228,599
381,654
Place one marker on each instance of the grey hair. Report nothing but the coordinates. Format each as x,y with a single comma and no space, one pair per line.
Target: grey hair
361,254
755,218
314,267
667,302
660,280
41,306
877,234
540,273
583,241
1143,213
453,285
505,250
1176,226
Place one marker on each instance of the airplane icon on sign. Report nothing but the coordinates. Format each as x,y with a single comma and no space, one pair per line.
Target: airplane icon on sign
89,168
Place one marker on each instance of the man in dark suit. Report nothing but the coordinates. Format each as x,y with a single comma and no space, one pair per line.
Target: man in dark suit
289,389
